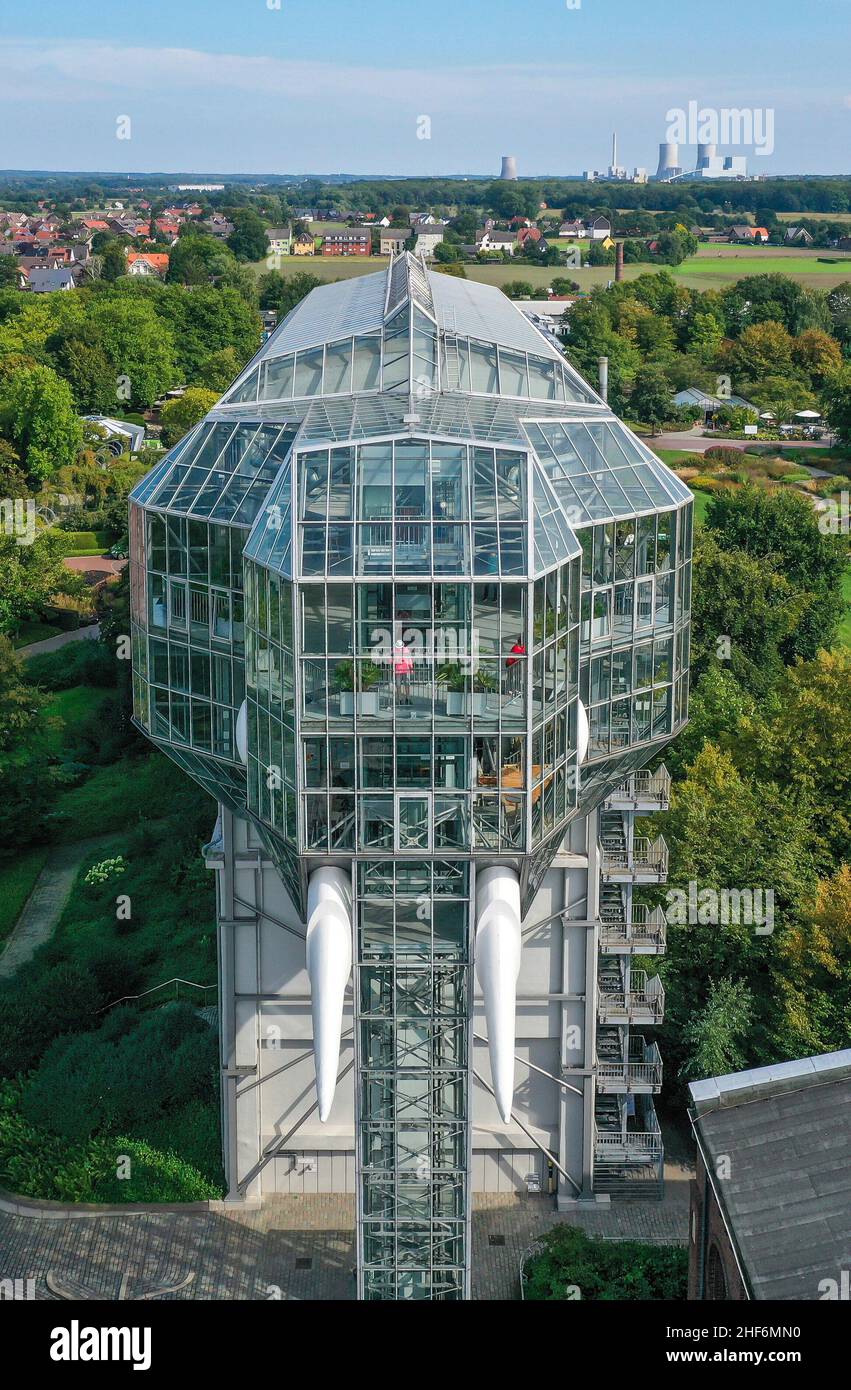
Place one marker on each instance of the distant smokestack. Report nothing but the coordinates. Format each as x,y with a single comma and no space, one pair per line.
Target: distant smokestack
614,149
669,155
618,261
509,167
603,365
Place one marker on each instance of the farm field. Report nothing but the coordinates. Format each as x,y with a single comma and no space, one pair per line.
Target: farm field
712,268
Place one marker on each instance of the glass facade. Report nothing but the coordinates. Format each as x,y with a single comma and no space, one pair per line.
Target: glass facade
370,593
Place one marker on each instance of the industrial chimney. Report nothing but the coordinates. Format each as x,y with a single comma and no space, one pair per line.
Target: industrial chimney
618,261
603,367
509,167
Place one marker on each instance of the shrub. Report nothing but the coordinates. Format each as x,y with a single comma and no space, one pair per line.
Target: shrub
604,1270
727,457
80,663
36,1164
133,1070
706,483
38,1007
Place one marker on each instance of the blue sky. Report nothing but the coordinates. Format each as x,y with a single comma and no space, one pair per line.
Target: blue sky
248,87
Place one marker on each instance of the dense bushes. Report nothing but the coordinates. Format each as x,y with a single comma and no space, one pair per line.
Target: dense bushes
134,1070
34,1163
80,663
601,1270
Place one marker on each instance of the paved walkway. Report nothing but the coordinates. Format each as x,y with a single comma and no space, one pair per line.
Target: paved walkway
45,904
52,644
290,1248
695,442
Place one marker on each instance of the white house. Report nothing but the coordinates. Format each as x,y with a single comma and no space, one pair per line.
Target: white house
492,239
426,242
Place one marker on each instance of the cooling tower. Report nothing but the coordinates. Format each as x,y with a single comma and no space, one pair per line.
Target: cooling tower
705,156
509,167
669,154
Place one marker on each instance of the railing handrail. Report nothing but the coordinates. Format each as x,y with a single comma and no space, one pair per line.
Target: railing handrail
175,980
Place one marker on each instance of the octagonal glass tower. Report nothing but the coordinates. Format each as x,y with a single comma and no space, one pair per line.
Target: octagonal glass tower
408,603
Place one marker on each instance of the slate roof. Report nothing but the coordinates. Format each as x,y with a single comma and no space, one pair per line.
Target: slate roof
787,1201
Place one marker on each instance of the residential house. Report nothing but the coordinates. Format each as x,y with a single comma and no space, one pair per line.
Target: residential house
357,241
528,236
599,229
218,226
147,263
575,228
771,1200
44,281
303,245
393,240
94,224
741,233
798,236
427,239
280,240
496,240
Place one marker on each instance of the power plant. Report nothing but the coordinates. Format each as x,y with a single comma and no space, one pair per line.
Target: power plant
669,160
509,167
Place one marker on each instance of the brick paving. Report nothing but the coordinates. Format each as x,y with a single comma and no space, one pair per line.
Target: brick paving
293,1248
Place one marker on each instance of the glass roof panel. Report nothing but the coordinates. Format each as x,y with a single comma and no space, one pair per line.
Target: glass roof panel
598,467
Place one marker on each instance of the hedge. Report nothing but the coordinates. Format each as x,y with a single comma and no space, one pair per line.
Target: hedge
568,1264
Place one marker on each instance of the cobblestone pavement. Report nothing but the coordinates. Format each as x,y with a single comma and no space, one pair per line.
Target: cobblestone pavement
296,1248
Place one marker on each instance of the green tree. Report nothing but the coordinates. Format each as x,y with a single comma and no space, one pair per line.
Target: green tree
217,371
764,349
284,292
113,260
181,414
37,415
86,368
714,1037
705,335
137,344
650,400
837,403
248,239
816,353
780,529
30,575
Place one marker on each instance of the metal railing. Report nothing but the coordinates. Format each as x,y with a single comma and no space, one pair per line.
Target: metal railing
643,999
646,931
652,788
176,981
635,1146
642,1067
646,857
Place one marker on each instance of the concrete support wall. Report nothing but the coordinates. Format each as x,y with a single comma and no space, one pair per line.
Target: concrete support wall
273,1141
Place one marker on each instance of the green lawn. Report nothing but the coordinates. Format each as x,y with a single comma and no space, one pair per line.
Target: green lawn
34,630
845,625
72,707
763,265
118,796
701,502
17,880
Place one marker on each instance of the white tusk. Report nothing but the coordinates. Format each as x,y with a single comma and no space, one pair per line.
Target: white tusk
497,968
329,965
